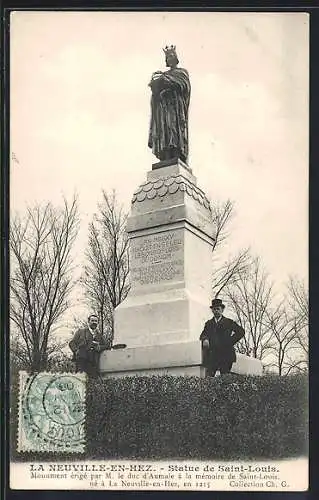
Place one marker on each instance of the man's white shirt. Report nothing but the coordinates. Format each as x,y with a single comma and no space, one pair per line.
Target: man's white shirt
94,332
217,320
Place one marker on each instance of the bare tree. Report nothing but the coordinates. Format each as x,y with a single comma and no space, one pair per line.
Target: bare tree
249,298
230,271
226,271
19,354
299,305
222,213
290,327
94,279
41,277
284,326
298,298
106,273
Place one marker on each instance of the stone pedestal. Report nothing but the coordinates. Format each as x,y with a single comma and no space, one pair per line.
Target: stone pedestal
171,235
180,358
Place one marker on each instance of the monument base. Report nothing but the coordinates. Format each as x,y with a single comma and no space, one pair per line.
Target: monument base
177,371
168,163
179,359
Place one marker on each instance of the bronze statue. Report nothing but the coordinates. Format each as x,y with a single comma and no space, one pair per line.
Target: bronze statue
168,134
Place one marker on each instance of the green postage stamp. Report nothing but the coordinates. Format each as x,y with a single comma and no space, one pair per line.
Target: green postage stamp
52,412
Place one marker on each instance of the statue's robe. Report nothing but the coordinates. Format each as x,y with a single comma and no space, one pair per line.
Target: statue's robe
169,114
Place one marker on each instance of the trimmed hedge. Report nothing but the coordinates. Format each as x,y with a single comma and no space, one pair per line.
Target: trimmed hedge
187,417
229,417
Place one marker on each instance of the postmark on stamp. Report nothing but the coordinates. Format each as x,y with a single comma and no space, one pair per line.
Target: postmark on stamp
52,412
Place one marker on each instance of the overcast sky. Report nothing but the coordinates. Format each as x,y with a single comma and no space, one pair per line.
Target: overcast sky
80,107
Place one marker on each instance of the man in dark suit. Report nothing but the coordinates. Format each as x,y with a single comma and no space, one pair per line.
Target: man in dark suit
218,338
86,346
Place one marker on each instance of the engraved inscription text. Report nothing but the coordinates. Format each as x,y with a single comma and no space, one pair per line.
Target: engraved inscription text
157,258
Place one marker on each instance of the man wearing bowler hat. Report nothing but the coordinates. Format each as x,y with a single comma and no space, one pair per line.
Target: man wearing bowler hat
218,338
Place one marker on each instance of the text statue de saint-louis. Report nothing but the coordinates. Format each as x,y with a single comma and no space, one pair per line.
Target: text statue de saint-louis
171,233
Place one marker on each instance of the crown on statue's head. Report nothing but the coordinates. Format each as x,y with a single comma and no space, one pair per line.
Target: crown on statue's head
170,50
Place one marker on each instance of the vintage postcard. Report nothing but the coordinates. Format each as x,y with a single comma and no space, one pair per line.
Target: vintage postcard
158,248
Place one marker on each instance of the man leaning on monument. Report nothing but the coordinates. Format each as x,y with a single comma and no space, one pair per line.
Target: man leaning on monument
218,337
86,345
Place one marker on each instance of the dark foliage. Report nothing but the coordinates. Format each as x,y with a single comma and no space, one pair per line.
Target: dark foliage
230,417
226,417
